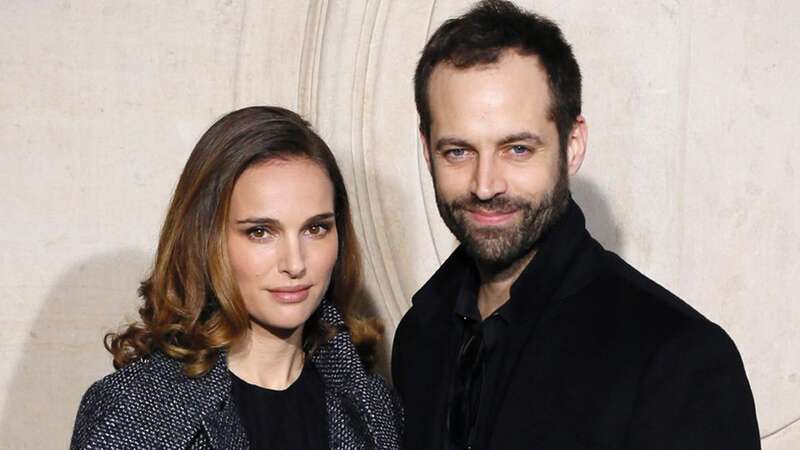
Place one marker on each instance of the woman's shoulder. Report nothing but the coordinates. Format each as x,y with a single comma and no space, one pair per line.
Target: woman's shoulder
141,398
137,377
148,401
115,397
144,377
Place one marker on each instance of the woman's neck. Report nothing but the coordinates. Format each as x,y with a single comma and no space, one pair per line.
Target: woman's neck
265,359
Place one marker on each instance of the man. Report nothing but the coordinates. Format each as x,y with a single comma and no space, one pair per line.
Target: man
531,335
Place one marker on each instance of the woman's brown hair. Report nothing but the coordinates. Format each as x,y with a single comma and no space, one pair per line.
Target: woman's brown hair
192,307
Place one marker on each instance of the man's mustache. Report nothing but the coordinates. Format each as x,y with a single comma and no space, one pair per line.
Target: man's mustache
496,205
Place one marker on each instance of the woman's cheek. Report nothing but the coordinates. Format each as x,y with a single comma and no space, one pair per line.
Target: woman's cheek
324,258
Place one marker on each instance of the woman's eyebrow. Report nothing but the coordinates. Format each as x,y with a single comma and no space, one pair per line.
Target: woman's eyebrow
276,223
320,217
259,221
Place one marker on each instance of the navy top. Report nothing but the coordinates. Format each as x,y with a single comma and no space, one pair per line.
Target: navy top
294,418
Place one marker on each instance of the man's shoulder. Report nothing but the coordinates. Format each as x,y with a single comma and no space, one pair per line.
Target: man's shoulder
626,287
630,304
622,312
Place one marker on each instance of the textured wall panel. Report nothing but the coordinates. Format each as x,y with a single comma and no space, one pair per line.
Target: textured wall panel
690,175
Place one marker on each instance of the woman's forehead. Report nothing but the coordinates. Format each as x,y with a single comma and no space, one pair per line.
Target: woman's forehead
284,190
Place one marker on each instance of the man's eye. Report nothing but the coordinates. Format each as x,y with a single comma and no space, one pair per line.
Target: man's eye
519,150
455,153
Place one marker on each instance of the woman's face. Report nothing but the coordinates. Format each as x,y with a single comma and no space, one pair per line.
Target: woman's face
282,241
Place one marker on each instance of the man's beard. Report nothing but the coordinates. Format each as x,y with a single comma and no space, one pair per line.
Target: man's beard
497,248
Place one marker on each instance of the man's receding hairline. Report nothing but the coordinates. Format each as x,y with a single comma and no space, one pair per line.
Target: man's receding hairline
489,66
502,52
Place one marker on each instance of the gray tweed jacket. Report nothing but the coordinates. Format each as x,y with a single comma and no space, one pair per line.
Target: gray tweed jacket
151,404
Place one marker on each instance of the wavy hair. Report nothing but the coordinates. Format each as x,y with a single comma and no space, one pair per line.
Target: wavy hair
192,306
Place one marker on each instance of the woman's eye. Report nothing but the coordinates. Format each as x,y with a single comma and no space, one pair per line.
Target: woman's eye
258,233
318,230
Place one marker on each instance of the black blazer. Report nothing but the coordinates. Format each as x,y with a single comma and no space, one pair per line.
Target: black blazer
605,359
151,404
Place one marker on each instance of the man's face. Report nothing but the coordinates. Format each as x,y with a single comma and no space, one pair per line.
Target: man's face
494,156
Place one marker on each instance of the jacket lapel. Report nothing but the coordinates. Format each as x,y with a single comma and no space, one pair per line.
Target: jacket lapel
220,420
437,342
362,412
442,351
206,404
224,430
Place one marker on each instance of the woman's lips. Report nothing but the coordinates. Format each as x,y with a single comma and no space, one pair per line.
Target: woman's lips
491,217
290,294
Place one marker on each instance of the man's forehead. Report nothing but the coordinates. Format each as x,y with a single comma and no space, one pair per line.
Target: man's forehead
514,74
503,98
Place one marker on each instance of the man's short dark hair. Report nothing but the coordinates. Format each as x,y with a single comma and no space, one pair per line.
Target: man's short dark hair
482,35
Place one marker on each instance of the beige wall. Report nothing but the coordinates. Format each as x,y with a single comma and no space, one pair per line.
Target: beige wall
692,110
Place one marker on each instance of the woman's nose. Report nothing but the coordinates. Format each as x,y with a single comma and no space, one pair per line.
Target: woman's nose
292,259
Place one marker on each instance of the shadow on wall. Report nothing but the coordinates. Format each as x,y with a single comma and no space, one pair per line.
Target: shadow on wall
64,352
599,220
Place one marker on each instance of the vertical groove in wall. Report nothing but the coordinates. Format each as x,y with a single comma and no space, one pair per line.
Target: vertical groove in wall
378,254
684,93
422,166
238,61
308,89
398,299
359,194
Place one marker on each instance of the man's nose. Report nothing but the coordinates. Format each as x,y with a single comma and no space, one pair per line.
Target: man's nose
487,180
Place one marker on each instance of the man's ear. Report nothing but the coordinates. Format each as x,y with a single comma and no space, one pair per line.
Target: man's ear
576,145
426,151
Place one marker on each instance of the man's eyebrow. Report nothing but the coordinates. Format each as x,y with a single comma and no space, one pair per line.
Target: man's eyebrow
522,136
451,142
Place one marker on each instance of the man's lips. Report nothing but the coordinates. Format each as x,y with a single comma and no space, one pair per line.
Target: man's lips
290,294
491,217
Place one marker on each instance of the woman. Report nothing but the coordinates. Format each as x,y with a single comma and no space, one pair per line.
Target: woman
245,333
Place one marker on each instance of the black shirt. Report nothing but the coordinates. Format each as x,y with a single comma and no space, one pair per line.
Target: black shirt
491,332
294,418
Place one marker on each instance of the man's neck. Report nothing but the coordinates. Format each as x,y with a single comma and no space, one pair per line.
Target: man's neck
495,289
